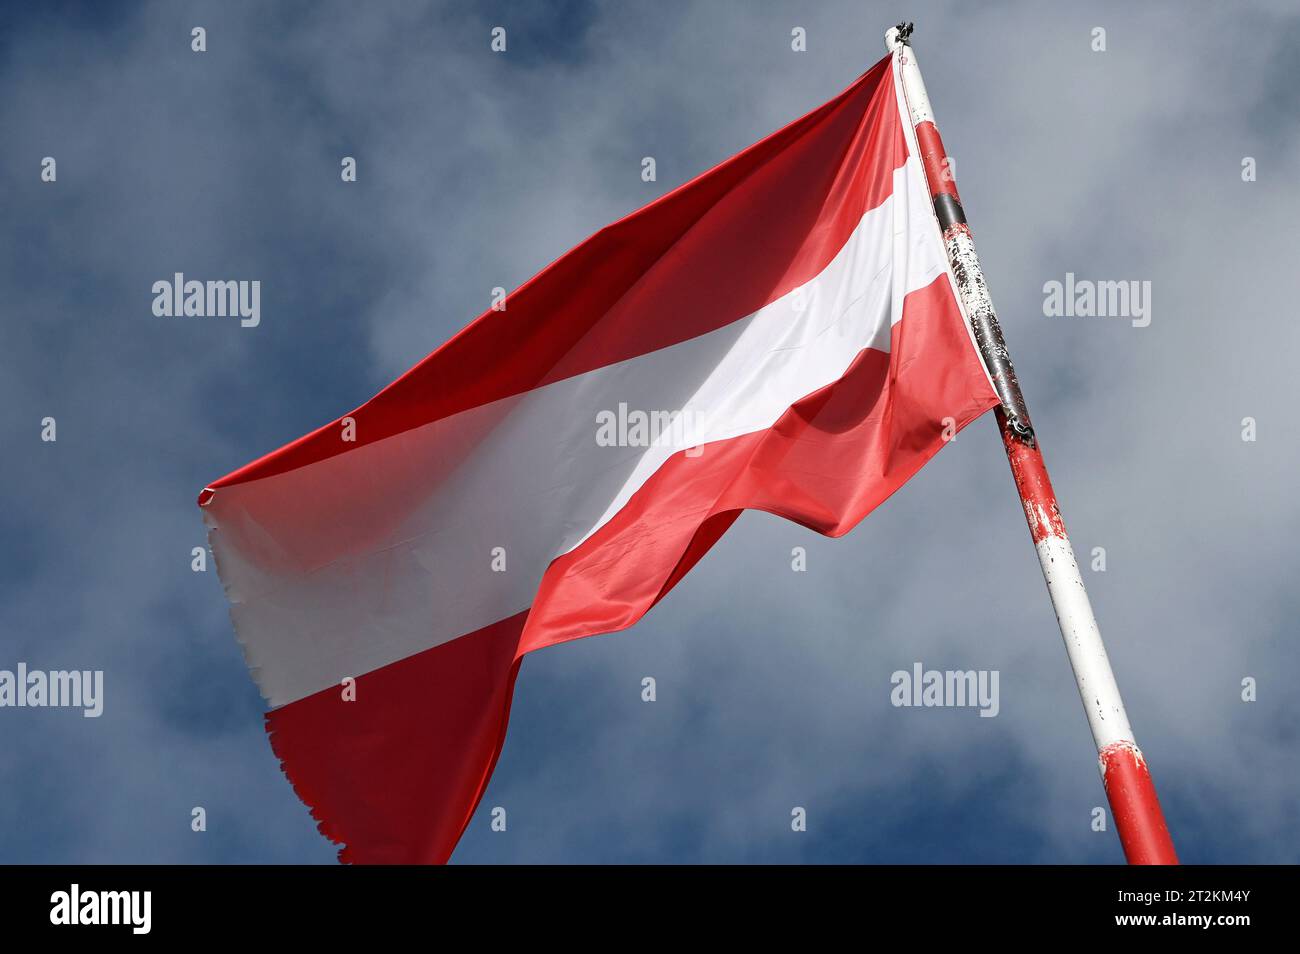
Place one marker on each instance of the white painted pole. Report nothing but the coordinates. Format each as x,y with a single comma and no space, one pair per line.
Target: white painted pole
1127,781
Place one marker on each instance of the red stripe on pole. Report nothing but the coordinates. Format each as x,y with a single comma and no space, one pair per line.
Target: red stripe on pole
1035,487
934,159
1133,802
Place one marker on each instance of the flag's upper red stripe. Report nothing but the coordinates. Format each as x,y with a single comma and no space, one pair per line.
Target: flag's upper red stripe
709,253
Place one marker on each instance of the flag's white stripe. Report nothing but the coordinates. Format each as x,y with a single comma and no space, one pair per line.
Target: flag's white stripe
392,546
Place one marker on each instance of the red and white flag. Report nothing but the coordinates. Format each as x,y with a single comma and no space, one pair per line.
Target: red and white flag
781,333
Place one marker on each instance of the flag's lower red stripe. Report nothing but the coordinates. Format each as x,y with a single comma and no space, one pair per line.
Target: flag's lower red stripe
396,774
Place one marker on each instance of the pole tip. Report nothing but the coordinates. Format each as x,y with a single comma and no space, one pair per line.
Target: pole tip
897,36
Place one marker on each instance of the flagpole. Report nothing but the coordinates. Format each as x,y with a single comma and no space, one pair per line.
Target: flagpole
1132,794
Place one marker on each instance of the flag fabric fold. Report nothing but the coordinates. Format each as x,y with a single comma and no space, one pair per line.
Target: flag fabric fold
780,333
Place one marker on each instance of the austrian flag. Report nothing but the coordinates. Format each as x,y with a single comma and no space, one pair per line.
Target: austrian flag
780,333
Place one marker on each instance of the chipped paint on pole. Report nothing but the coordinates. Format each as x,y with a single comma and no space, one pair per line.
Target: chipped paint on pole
1138,818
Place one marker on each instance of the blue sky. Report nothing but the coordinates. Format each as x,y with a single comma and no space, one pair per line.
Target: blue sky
477,169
